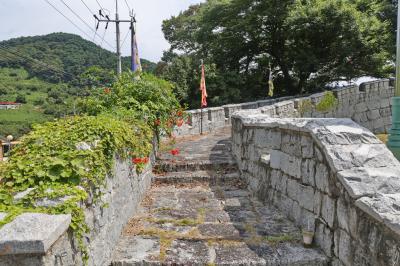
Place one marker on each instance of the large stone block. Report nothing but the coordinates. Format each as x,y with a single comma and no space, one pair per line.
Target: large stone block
322,177
307,147
308,172
328,210
276,159
324,239
305,197
345,248
32,233
343,214
265,138
362,181
291,144
291,165
343,157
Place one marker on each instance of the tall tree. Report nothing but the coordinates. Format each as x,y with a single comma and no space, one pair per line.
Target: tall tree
307,43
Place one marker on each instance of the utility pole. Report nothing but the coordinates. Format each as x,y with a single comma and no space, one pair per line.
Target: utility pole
394,137
105,18
119,63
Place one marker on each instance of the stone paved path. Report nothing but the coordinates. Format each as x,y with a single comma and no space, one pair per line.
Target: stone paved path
198,212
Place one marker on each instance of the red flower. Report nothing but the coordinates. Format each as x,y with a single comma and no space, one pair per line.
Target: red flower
180,122
175,152
136,160
107,90
179,113
143,160
157,122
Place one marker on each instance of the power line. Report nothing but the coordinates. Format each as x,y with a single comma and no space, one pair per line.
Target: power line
100,5
76,26
104,35
48,66
84,22
88,8
127,5
127,33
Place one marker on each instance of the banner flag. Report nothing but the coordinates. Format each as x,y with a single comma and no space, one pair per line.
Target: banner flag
203,88
135,64
270,84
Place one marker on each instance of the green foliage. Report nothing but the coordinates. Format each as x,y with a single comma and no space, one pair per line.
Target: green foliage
144,97
69,56
51,160
327,103
305,106
42,100
307,43
20,98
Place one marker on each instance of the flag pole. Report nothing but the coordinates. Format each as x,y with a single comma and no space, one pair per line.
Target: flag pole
201,107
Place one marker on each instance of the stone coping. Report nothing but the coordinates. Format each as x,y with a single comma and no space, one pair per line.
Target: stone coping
370,86
32,233
361,162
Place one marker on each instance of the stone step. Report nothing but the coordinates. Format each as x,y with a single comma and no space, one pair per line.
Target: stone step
211,177
201,224
138,250
164,166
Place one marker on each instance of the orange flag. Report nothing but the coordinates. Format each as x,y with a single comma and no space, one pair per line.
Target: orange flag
203,88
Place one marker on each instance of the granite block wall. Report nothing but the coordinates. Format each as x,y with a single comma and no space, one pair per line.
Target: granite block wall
48,243
368,104
330,176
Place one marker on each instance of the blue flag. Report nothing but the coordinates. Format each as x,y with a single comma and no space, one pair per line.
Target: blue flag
135,64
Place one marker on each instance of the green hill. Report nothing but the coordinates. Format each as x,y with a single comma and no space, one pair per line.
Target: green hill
64,56
45,72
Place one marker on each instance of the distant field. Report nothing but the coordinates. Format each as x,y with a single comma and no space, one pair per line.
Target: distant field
15,82
18,122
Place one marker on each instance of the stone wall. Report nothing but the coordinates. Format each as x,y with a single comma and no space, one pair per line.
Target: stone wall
330,176
368,104
39,239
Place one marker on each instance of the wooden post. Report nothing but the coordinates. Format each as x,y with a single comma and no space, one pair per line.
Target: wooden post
201,120
1,151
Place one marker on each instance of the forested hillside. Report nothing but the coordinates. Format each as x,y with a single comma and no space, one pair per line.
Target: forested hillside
48,75
64,56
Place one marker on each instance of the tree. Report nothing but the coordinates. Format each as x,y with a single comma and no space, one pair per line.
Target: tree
307,43
20,98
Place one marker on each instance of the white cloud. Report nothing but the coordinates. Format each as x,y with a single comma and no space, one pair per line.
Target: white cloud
36,17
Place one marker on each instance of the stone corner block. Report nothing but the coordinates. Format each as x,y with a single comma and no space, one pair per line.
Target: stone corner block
32,233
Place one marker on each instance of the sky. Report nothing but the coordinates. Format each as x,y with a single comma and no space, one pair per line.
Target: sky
36,17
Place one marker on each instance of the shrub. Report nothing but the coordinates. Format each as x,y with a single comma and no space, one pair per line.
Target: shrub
327,103
305,106
20,98
146,97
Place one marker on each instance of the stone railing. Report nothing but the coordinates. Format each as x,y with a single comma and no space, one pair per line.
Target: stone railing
368,104
40,239
330,176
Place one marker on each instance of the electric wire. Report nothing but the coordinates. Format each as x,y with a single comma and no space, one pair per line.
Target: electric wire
88,8
127,5
76,26
48,66
84,22
123,42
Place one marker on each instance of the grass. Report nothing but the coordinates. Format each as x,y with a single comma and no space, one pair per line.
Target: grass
16,81
19,122
383,137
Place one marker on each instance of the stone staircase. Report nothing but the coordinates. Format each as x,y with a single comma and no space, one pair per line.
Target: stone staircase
198,212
